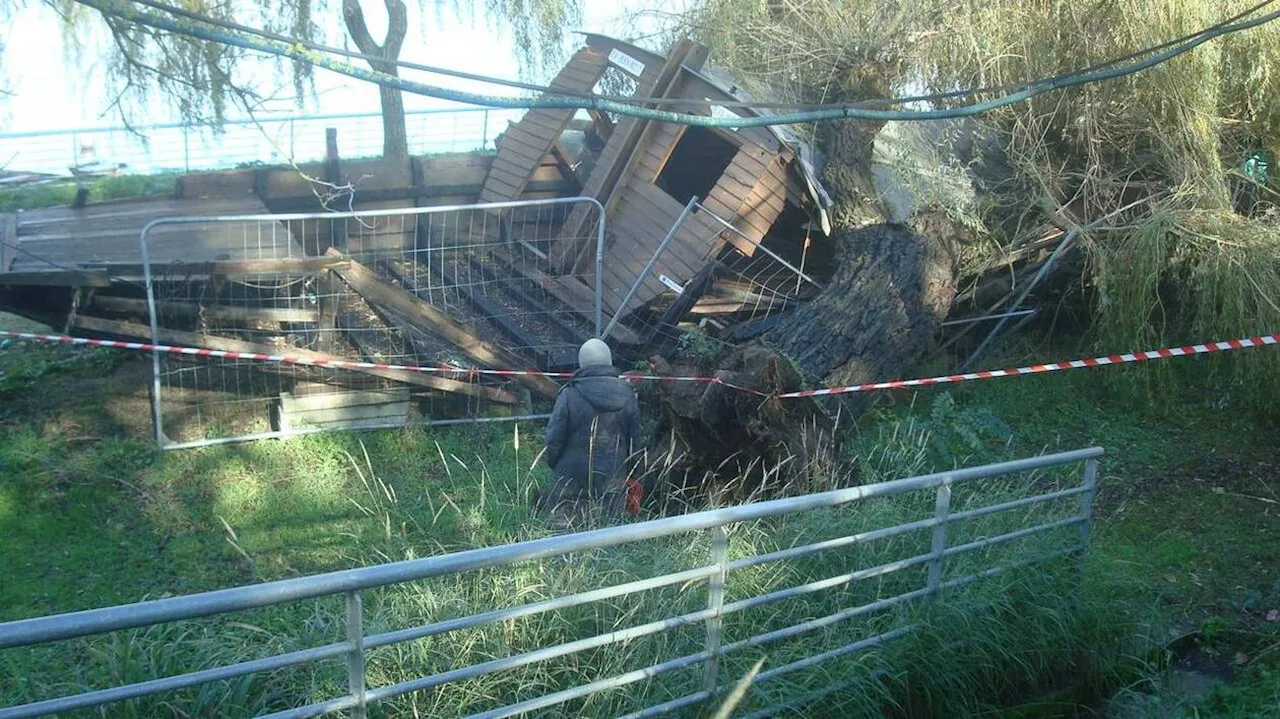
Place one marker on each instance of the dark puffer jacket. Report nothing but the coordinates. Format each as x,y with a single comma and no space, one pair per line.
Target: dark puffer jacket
593,430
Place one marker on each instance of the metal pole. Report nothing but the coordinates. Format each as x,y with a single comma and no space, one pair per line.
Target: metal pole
942,508
484,144
984,318
600,276
1086,522
635,286
715,603
155,336
1062,247
355,657
186,149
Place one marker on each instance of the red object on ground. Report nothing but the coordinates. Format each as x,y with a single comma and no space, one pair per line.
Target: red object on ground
635,492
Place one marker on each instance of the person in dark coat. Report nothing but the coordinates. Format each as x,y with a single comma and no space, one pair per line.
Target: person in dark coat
592,433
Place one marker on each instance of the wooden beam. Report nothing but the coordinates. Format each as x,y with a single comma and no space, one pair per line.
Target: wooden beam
426,318
265,268
534,303
217,312
194,339
492,312
327,299
57,278
693,291
333,175
8,241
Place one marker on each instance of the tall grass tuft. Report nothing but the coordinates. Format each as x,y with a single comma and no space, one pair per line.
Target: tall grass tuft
1192,276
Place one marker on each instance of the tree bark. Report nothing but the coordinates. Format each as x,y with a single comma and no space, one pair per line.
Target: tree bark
395,140
878,314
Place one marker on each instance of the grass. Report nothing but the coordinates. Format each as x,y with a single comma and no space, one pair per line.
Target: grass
91,517
31,197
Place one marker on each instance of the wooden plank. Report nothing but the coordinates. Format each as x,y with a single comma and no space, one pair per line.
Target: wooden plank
492,312
327,299
217,312
8,241
426,318
194,339
285,267
333,175
350,410
57,278
225,184
571,291
535,304
552,121
570,253
519,150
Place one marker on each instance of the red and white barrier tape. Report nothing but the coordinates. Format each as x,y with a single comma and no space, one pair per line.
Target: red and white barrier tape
333,362
1053,367
336,363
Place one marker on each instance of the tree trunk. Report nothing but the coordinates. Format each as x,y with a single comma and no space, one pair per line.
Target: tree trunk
878,314
395,141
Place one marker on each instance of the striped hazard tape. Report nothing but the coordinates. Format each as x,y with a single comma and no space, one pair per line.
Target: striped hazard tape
1053,367
337,363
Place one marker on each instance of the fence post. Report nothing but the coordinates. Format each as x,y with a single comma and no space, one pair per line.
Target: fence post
355,657
293,151
715,602
1086,523
186,149
942,508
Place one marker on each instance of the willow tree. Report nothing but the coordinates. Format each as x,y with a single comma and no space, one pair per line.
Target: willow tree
205,80
1200,260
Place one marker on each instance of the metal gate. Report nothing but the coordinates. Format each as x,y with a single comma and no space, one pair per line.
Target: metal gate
704,617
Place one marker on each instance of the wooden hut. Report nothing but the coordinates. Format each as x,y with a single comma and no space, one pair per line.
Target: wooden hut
646,172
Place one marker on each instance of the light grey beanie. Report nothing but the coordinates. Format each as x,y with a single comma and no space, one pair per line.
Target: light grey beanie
594,352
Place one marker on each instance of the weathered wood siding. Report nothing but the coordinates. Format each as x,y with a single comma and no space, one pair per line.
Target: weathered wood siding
574,246
526,143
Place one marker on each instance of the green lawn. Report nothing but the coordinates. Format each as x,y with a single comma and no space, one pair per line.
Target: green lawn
1186,541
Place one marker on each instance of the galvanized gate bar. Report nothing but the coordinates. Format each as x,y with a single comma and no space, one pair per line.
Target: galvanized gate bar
141,614
546,605
350,582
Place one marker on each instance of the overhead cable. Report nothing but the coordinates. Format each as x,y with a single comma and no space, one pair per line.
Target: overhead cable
125,11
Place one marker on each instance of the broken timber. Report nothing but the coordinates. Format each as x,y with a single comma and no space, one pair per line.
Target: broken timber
226,344
426,318
129,305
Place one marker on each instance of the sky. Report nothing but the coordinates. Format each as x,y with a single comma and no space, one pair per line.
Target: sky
52,92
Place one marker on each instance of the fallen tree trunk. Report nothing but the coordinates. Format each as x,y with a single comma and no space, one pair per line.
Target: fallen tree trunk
879,313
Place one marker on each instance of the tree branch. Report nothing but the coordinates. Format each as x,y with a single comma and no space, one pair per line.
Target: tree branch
397,27
354,18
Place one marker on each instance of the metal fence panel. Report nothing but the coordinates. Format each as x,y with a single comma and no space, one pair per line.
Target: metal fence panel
877,624
452,286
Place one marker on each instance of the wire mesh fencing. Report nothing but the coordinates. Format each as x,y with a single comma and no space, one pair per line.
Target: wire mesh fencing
459,289
735,296
182,147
